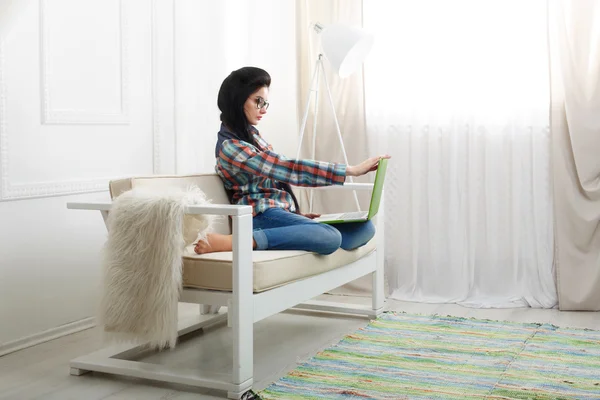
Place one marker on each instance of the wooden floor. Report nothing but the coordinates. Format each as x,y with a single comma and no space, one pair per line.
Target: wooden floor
281,341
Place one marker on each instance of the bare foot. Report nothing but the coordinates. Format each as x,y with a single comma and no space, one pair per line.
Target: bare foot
215,242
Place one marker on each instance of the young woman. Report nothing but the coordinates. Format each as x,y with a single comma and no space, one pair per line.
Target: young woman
253,174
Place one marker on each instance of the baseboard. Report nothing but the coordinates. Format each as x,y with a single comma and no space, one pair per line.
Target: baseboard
46,336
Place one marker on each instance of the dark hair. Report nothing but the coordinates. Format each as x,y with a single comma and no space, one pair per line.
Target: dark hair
234,92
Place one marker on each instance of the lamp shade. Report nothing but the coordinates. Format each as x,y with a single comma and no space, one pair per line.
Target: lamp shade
345,47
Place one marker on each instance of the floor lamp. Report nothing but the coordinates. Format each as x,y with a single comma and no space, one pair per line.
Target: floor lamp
345,48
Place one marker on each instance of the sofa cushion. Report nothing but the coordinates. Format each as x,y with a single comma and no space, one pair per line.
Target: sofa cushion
272,268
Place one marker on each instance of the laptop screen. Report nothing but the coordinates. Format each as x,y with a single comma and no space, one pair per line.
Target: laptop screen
378,187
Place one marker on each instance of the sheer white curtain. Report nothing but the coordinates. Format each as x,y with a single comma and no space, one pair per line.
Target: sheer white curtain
458,92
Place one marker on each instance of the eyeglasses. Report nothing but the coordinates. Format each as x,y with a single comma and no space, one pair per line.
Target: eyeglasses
262,103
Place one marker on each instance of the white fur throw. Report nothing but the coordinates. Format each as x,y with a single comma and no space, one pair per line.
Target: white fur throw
143,264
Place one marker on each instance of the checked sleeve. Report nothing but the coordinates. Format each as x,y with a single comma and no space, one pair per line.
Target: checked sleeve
241,156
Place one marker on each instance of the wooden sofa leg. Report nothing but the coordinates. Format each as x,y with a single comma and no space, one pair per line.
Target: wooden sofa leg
378,295
206,309
242,304
79,372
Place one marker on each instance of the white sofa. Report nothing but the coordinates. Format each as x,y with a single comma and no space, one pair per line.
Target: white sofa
252,285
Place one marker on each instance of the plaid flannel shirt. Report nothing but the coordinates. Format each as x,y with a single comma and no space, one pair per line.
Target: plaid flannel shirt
253,172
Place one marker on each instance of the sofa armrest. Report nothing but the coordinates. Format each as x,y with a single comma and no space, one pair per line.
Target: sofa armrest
213,209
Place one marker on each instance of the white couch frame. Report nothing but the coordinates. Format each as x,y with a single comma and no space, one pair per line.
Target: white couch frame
244,307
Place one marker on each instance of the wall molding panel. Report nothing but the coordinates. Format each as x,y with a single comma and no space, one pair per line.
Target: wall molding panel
9,191
163,87
162,111
53,116
156,125
3,135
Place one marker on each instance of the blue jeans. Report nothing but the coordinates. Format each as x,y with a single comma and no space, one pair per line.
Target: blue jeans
278,229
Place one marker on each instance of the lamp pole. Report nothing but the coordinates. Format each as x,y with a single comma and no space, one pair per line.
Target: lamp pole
314,89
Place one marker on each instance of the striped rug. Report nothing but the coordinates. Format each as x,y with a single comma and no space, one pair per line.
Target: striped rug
404,356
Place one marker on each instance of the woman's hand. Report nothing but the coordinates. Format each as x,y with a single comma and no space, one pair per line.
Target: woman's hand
370,164
311,215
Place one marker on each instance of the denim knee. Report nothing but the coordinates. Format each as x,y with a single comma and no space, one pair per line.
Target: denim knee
358,237
328,239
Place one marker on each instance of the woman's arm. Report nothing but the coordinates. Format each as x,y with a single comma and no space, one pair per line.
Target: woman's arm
370,164
268,164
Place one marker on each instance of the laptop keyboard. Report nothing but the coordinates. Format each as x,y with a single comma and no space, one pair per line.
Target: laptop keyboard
353,215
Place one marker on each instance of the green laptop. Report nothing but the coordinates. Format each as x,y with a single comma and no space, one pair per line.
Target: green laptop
358,216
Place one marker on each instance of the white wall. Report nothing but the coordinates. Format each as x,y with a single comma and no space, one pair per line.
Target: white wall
260,34
113,88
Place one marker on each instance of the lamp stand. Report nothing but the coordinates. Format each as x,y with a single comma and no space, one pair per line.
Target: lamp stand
314,89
